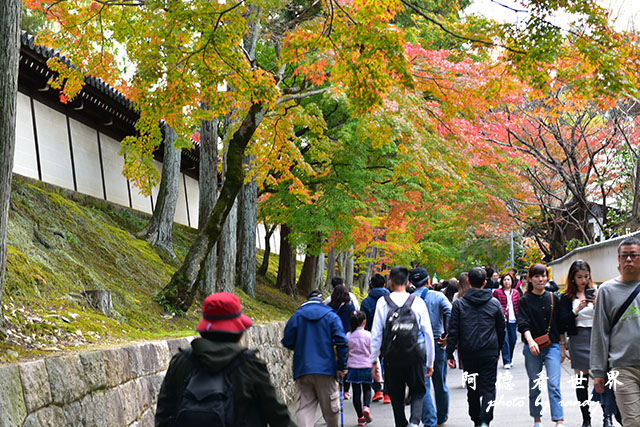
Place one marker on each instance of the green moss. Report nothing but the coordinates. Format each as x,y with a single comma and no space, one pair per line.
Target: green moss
91,244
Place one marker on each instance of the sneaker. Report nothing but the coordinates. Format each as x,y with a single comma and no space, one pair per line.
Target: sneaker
507,366
367,414
362,421
386,399
537,424
346,395
377,396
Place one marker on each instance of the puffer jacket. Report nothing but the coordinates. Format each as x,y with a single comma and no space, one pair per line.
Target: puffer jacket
477,325
256,403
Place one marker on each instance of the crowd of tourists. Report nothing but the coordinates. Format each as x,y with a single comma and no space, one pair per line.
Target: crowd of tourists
404,336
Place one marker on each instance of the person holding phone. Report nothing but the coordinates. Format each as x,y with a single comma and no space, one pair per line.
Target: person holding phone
576,306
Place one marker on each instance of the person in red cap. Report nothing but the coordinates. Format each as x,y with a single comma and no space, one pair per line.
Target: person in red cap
255,401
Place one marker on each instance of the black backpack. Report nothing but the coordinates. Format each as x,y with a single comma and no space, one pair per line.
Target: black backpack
207,399
400,334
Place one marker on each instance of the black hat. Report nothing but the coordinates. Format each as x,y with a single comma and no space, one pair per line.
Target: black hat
314,294
419,276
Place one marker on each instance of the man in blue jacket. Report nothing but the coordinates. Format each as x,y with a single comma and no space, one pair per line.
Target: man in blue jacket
377,290
439,312
312,333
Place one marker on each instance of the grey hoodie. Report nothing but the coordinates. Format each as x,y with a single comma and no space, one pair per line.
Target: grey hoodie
620,346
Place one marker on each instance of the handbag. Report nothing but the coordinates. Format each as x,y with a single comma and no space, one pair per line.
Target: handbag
544,341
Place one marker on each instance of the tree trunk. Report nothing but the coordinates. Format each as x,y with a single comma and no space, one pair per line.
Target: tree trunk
208,191
9,60
331,268
635,208
264,267
286,280
158,231
348,269
247,223
180,291
306,282
227,249
342,263
319,279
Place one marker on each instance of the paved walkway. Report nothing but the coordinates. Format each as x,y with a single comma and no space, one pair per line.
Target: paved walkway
512,403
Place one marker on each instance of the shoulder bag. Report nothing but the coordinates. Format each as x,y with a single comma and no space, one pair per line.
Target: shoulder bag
544,341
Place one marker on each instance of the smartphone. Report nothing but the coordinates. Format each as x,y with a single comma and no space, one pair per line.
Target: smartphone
589,293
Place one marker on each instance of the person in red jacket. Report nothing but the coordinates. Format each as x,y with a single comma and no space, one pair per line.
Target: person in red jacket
509,299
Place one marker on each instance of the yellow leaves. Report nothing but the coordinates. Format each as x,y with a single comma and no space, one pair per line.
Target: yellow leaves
69,80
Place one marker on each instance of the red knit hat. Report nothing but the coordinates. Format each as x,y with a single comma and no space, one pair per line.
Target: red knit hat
222,312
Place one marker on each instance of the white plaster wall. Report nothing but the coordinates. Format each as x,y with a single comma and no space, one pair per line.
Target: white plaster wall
181,206
86,159
25,161
193,198
602,258
114,181
53,144
139,201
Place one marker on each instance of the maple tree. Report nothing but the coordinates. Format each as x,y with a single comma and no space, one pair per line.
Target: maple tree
424,105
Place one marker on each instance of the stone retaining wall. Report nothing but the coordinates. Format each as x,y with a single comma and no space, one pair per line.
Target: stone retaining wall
116,386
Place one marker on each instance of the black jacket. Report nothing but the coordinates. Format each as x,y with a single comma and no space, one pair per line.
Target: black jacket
255,399
477,325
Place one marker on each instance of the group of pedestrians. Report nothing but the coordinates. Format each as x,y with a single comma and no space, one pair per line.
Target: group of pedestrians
401,341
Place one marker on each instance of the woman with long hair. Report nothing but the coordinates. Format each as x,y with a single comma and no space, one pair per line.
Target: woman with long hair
463,286
540,325
509,299
577,304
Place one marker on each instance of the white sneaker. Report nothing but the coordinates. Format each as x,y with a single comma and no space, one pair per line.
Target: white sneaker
507,366
537,424
412,425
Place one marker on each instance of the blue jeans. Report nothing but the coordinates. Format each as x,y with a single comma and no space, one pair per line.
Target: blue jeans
439,378
550,358
509,343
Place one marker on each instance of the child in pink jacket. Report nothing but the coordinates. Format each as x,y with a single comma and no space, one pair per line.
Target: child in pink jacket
359,366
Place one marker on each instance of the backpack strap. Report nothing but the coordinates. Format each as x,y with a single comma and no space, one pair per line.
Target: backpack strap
392,305
409,301
624,307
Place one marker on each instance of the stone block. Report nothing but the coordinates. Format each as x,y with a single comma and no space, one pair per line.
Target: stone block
132,400
148,418
117,366
108,409
51,416
12,407
135,360
153,383
66,379
80,412
35,385
95,376
176,344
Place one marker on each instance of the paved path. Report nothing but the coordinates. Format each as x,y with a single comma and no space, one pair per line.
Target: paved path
512,405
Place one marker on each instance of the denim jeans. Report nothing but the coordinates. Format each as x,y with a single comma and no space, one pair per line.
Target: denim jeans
509,343
439,378
550,358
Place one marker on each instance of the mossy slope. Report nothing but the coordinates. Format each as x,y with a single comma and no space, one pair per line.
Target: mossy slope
61,244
